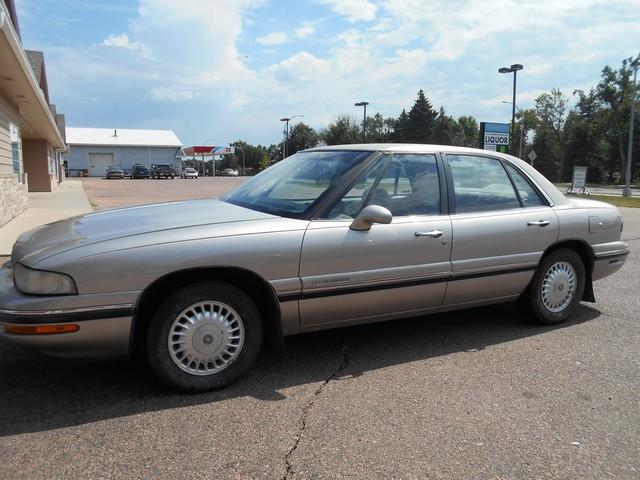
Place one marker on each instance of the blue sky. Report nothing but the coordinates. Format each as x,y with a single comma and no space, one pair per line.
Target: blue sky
230,69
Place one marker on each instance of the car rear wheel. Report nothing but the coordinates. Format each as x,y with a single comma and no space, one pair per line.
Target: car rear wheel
557,287
203,337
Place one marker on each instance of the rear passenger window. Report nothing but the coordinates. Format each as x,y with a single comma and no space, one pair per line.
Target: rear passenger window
481,184
529,196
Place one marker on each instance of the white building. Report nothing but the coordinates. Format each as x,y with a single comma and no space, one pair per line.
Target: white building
93,150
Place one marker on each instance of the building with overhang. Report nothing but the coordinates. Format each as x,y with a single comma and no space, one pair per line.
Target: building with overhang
93,150
31,140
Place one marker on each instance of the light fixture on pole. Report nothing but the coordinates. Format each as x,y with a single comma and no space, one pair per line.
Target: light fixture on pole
364,120
286,134
521,129
513,68
627,178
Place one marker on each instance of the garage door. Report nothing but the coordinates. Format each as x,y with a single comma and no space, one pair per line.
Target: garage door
98,164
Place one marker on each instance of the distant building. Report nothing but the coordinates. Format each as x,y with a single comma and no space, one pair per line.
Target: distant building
93,150
31,142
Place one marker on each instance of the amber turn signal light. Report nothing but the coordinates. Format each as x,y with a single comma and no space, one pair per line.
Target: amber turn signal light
40,329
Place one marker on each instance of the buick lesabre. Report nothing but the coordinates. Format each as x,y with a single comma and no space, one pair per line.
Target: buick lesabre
329,237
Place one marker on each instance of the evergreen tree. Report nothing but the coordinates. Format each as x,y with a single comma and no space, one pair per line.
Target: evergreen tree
421,122
443,129
399,134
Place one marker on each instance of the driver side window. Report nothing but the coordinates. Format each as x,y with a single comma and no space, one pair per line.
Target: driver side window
406,184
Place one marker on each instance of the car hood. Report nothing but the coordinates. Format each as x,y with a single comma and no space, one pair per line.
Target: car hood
46,240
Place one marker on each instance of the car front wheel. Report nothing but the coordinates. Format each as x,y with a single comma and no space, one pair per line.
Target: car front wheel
203,337
557,287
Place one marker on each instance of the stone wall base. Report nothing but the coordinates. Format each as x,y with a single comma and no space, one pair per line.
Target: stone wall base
14,198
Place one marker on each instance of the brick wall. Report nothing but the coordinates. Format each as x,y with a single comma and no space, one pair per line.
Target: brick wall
13,197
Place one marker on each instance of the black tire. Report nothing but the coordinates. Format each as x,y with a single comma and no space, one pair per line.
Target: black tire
160,359
540,310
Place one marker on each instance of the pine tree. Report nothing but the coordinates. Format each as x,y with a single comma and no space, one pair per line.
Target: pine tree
422,118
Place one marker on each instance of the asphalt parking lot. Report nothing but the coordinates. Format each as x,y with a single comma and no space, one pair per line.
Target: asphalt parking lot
104,193
477,394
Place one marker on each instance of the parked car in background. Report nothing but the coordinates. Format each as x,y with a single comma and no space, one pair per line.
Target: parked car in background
162,170
328,237
127,172
229,172
115,172
139,171
189,172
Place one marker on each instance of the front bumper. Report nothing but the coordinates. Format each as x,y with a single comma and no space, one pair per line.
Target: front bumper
104,330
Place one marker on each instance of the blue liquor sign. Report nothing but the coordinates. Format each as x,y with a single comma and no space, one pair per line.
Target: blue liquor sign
494,137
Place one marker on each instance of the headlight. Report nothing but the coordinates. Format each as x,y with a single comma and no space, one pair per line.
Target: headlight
40,282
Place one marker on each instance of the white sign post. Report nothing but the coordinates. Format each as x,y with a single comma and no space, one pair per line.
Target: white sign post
579,181
532,156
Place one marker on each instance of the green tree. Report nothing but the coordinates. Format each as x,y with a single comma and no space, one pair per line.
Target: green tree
379,129
253,157
444,129
549,144
614,94
400,134
301,136
343,131
466,132
421,122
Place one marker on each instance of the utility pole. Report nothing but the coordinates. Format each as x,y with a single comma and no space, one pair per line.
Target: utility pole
627,188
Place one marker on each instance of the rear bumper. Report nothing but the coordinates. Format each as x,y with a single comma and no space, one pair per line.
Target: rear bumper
609,260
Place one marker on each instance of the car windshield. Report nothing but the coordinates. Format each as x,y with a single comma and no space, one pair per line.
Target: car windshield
291,187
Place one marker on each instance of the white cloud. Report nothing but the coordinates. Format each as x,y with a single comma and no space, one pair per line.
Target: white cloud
354,10
121,40
195,57
273,38
306,30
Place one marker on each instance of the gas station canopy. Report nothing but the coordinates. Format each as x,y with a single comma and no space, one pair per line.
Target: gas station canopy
207,150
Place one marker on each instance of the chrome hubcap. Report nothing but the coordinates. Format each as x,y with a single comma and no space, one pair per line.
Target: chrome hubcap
558,286
205,338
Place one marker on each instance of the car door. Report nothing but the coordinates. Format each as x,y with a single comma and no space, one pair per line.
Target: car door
501,227
390,270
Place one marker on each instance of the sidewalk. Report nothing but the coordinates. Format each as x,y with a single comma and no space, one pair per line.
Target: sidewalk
67,200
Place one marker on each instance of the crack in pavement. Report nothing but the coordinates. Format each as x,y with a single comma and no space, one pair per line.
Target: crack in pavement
302,422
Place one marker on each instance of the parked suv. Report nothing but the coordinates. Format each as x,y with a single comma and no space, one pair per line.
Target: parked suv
162,170
139,171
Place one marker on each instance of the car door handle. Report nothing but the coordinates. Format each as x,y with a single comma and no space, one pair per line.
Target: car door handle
432,234
539,223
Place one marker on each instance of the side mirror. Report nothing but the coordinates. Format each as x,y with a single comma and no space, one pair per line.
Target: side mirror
370,215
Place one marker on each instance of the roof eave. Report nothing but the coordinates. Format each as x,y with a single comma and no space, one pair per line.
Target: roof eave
13,40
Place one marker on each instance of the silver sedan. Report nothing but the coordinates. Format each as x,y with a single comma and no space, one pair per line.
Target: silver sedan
329,237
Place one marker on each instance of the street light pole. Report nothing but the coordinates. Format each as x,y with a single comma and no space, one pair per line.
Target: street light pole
627,188
286,133
364,120
521,130
513,68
